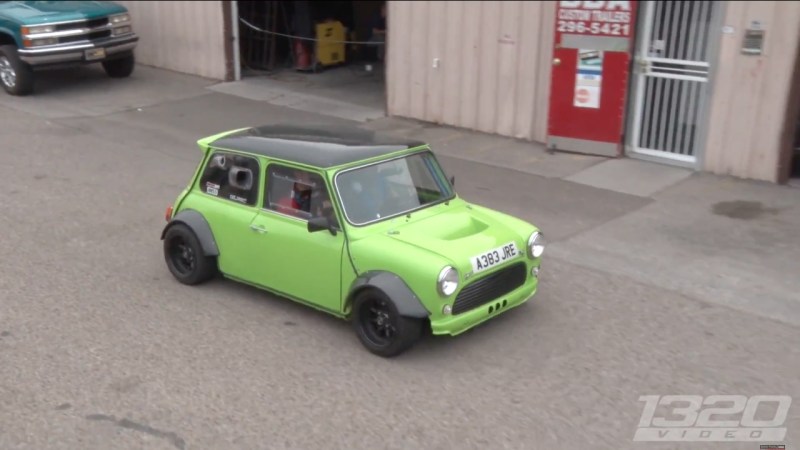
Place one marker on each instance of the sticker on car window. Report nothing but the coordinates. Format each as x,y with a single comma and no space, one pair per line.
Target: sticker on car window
212,188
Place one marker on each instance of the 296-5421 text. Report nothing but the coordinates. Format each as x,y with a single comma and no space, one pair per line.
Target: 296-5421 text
609,29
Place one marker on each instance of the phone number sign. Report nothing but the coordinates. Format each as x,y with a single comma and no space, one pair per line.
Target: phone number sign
595,18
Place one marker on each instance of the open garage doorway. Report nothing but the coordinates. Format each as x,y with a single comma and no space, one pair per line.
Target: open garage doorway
789,167
326,49
794,147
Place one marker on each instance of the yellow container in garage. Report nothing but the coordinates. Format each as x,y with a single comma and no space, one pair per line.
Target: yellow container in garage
330,43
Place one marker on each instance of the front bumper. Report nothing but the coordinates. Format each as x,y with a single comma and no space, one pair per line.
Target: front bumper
77,53
457,324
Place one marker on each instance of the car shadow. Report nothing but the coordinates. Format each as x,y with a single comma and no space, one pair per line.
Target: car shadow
296,313
72,79
341,335
436,347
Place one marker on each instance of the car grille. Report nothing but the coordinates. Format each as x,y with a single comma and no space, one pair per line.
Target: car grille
95,29
486,289
93,23
91,36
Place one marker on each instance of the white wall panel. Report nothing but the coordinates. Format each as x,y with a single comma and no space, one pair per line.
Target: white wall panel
493,71
750,92
184,36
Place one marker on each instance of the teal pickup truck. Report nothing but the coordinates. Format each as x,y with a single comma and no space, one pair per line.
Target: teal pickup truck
46,34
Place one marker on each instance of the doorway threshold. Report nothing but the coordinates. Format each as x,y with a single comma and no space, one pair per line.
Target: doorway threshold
360,99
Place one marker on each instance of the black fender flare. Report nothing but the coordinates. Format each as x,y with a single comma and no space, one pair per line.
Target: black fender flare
198,224
407,302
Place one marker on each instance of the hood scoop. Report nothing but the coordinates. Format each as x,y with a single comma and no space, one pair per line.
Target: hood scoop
473,227
442,227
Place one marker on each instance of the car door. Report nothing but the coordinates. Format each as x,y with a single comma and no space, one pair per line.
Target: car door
292,260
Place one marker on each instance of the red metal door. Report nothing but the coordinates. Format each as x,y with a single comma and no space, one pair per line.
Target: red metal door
589,82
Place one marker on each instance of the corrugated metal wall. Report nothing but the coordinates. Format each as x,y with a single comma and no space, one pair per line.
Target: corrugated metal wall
750,93
181,36
494,62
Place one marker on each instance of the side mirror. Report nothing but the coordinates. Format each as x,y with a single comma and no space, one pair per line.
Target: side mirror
319,224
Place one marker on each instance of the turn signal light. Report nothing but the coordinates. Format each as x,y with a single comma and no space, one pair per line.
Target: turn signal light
168,215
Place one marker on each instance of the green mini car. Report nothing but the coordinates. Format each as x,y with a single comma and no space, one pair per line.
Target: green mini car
360,225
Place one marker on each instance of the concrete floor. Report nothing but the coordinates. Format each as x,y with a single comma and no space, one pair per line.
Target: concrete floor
350,91
685,286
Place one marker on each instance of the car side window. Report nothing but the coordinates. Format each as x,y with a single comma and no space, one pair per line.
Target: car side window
232,177
298,193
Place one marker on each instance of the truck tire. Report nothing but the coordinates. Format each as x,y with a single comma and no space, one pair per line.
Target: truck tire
119,68
15,75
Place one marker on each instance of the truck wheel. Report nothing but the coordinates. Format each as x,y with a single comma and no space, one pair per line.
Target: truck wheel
15,75
185,258
119,68
380,327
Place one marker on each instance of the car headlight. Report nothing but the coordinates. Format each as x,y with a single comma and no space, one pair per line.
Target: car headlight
121,30
536,245
448,281
39,42
38,29
119,18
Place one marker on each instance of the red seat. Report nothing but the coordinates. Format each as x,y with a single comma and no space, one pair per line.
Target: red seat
289,206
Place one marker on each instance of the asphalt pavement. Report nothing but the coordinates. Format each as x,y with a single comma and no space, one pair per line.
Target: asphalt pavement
102,349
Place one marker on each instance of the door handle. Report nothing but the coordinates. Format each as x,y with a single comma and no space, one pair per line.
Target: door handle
258,229
557,62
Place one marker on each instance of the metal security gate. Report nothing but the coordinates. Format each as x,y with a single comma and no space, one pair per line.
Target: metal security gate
672,73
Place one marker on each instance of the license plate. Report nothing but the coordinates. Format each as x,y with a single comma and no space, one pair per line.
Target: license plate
95,53
494,257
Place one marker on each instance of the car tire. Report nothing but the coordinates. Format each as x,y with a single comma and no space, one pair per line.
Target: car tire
120,68
380,327
16,76
185,258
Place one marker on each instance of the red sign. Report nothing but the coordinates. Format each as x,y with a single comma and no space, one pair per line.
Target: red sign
593,41
582,95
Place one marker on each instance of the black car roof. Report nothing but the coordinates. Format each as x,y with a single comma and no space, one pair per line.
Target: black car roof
320,146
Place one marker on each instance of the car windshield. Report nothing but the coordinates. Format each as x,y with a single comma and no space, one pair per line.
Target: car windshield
378,191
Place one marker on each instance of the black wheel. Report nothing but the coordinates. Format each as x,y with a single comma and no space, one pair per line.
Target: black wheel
185,257
120,68
379,326
15,75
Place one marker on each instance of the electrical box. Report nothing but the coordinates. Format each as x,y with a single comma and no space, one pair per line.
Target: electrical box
330,43
753,41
